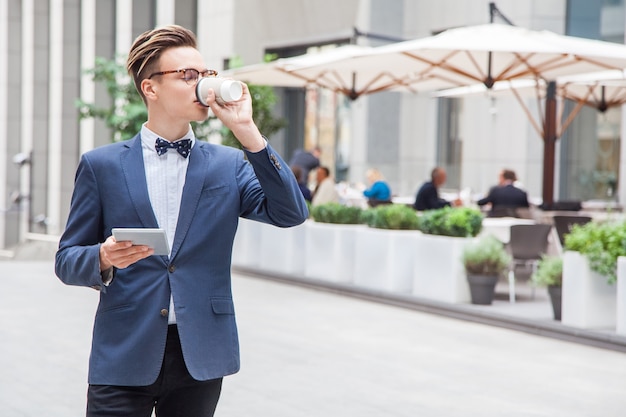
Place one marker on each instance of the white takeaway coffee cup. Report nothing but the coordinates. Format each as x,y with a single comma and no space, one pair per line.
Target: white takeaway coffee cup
225,90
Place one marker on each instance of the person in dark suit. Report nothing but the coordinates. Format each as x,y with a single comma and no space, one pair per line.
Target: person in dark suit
505,197
306,192
307,161
427,197
164,333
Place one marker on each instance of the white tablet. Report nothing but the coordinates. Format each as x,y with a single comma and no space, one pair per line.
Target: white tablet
155,238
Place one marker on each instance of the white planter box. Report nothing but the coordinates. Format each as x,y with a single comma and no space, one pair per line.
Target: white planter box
439,273
588,301
282,250
384,259
246,247
621,296
330,251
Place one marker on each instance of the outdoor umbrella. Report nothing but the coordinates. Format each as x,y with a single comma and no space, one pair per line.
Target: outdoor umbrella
494,52
459,57
599,90
284,72
351,70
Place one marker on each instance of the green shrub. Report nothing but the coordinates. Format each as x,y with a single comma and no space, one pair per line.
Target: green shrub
391,216
452,221
486,256
601,243
336,213
549,272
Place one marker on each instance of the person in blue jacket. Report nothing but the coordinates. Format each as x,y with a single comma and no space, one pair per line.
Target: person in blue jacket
379,191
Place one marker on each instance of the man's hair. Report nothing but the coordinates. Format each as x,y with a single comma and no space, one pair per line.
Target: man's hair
509,175
143,58
325,169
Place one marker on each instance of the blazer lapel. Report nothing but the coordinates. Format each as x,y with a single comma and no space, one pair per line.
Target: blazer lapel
135,175
194,182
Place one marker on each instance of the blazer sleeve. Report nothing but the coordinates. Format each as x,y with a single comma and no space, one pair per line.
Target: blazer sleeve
432,198
271,193
77,260
488,199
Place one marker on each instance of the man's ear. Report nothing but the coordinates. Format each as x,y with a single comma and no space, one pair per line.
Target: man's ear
149,89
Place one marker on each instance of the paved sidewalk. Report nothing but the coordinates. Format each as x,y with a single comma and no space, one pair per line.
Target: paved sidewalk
316,353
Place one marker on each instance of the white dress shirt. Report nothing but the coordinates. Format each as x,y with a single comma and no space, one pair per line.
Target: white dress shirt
165,176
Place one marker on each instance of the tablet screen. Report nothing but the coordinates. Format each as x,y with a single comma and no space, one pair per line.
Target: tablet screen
155,238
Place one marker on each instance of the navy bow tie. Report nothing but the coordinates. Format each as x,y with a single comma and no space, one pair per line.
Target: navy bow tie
182,146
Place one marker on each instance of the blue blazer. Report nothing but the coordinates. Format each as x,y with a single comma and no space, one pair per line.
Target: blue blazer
130,326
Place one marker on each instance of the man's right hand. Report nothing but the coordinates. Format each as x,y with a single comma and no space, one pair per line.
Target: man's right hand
121,254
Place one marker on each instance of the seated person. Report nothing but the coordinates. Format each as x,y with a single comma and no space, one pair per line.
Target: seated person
427,197
297,172
379,191
325,191
505,197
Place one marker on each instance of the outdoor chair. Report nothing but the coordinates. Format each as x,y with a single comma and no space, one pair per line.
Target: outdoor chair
503,212
527,244
517,212
563,225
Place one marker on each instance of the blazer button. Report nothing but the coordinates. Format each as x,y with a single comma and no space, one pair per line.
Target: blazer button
164,312
171,268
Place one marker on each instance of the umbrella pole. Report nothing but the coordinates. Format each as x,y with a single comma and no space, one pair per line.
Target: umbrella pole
549,146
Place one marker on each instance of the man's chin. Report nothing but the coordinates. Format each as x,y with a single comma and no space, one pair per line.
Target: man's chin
202,116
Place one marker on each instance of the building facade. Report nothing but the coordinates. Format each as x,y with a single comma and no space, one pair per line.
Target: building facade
46,45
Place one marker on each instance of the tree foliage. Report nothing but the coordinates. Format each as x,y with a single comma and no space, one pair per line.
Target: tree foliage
126,111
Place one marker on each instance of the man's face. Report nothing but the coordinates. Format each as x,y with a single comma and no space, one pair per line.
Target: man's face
321,175
174,98
441,178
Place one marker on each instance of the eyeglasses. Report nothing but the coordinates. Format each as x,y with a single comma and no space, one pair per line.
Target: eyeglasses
190,75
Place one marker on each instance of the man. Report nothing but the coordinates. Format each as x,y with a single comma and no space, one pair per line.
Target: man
505,197
304,188
306,160
164,333
325,191
427,197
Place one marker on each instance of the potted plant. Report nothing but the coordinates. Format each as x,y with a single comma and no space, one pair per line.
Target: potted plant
601,243
452,221
485,260
590,273
391,216
549,274
336,213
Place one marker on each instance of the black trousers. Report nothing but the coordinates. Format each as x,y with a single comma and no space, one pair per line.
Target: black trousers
174,394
